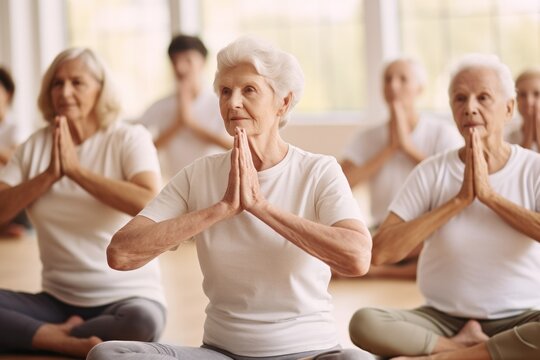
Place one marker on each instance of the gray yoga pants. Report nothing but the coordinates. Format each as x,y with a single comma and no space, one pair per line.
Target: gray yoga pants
133,350
415,332
21,314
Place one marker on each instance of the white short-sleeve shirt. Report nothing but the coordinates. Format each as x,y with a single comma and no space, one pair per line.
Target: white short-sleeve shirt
430,136
267,296
74,228
185,147
476,265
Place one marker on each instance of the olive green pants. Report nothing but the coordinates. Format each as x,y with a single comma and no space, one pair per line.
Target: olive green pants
415,332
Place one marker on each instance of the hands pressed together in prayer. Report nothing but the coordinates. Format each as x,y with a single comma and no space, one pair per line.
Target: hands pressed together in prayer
243,188
64,159
531,126
476,175
400,132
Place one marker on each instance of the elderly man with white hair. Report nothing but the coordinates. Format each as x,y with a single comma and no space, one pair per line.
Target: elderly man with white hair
476,211
384,155
269,221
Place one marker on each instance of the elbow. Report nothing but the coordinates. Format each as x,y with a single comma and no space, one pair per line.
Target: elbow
116,257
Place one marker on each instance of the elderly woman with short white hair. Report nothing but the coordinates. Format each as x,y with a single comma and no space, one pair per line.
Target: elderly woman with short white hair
80,178
269,221
476,210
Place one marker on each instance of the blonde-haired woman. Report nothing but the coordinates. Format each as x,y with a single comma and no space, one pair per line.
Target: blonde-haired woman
80,179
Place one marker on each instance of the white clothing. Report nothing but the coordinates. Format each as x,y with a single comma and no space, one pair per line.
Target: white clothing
267,296
515,136
476,266
185,147
430,136
11,134
74,228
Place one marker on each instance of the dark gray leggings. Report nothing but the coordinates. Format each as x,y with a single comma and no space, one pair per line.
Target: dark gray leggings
133,350
21,314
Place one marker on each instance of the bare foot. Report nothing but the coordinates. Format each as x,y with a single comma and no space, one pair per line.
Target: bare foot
12,231
55,337
470,334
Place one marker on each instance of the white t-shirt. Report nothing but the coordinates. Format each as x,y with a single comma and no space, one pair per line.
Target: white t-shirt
74,228
430,136
476,266
185,147
267,296
515,136
11,135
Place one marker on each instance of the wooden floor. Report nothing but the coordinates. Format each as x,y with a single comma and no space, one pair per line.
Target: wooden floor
20,268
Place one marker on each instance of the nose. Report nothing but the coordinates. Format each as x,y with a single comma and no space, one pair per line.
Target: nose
67,89
235,101
471,107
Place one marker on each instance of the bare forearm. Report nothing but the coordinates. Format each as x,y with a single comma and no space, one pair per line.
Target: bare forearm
414,154
119,194
521,219
347,251
394,242
133,246
166,136
359,174
15,199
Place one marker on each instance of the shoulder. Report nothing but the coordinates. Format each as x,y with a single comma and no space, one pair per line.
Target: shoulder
122,130
438,163
526,157
312,162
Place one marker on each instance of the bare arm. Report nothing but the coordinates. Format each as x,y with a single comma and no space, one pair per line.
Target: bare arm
344,246
142,239
396,238
521,219
127,196
358,174
16,198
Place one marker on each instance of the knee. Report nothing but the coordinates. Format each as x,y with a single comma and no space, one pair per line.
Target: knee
363,328
140,324
103,351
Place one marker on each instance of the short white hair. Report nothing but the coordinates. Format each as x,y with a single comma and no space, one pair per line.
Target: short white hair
486,61
281,69
417,68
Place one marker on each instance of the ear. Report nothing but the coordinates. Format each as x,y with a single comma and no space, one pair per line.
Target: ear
510,109
285,104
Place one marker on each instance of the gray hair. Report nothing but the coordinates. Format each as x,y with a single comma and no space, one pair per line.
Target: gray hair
417,68
486,61
107,106
281,70
532,72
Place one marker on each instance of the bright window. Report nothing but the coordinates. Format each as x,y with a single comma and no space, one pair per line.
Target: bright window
326,36
440,31
132,37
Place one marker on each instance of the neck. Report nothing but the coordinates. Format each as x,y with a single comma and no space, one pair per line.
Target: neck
412,116
496,152
82,129
267,151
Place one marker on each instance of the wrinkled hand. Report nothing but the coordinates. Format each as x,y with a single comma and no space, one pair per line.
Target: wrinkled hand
184,102
55,165
482,188
467,191
399,128
249,181
232,194
68,153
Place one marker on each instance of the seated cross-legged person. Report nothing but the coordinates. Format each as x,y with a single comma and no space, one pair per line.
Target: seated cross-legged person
476,210
383,156
81,178
528,104
269,221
